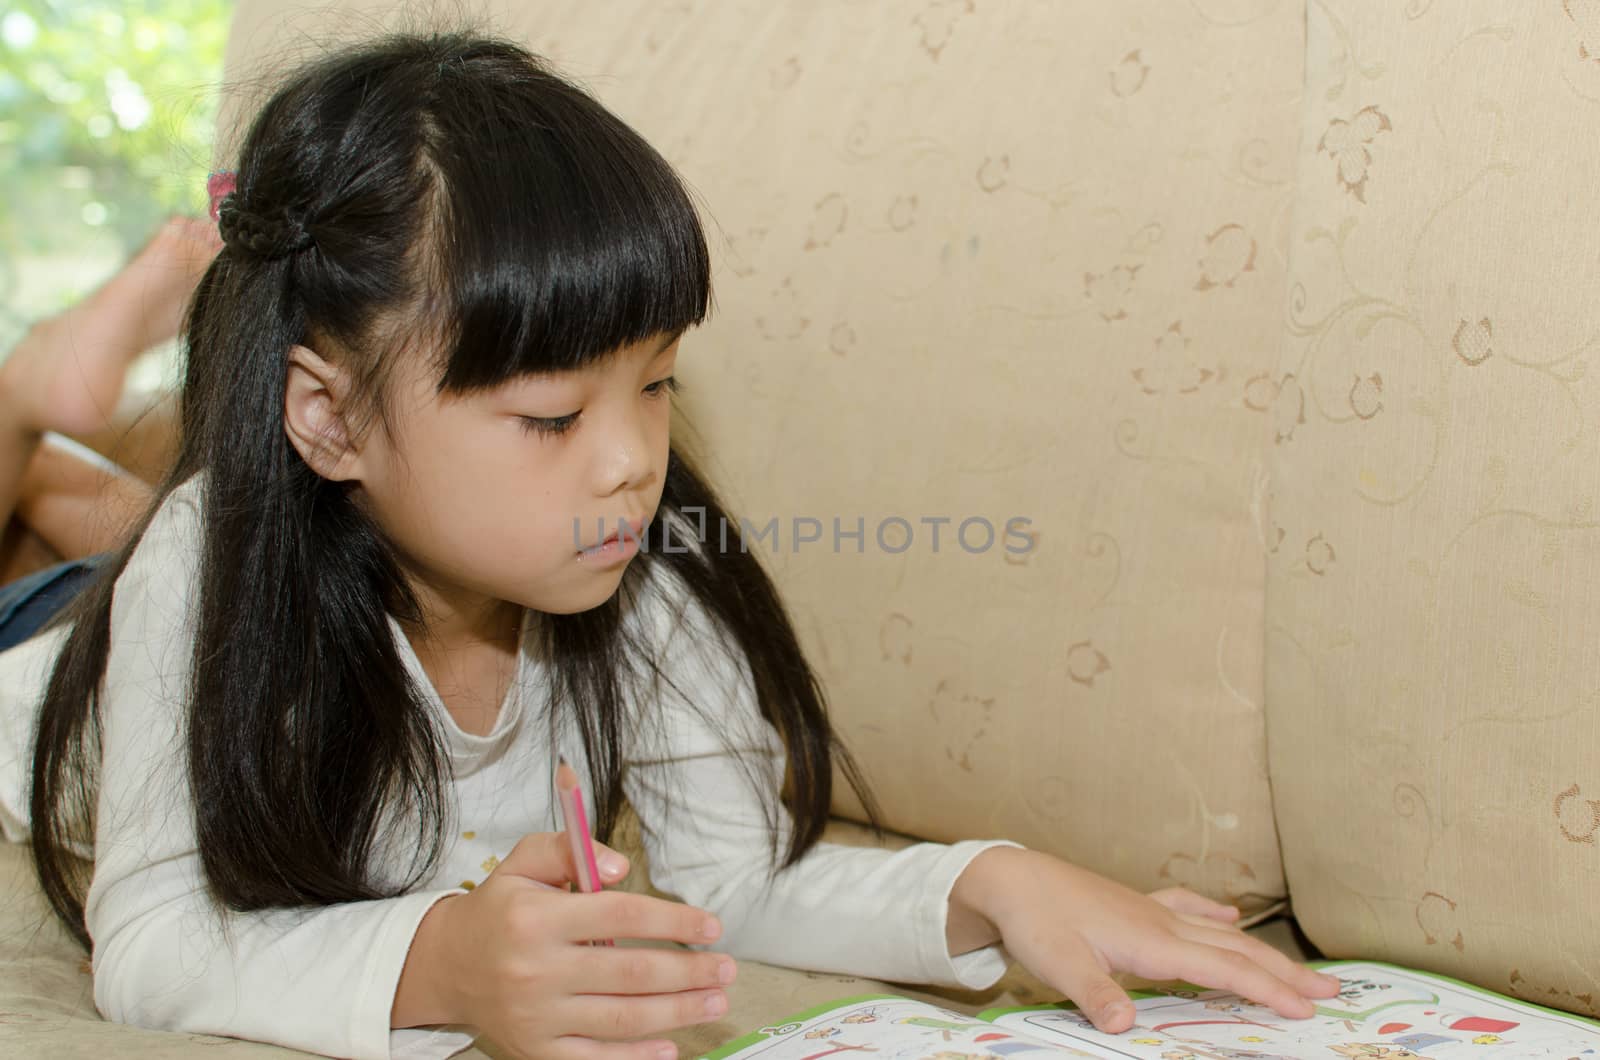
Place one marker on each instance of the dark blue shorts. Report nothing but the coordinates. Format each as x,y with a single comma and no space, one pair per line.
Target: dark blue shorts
31,601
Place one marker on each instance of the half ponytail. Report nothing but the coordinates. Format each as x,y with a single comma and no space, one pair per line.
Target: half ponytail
302,728
301,669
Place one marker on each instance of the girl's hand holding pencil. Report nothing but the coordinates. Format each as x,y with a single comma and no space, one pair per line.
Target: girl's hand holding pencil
513,958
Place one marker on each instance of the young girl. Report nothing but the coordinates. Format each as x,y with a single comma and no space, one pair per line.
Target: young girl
318,693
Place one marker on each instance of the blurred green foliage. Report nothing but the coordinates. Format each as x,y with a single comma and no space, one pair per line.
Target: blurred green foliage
106,115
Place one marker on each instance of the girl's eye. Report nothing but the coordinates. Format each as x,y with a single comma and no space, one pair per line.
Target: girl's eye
548,427
668,385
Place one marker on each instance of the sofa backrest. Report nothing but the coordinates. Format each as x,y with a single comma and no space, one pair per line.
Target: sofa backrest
1019,263
1433,635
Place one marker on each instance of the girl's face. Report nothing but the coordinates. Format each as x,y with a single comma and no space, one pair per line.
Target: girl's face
492,496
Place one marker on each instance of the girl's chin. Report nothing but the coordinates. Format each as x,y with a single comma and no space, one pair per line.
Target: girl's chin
592,588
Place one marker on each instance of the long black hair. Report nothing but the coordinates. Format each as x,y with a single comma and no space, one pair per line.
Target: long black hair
450,179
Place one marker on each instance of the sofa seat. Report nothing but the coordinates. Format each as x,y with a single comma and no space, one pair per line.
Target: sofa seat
47,994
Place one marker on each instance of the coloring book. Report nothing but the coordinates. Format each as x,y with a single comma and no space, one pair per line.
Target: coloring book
1383,1013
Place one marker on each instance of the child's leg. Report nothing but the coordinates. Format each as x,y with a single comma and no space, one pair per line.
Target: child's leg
66,374
79,502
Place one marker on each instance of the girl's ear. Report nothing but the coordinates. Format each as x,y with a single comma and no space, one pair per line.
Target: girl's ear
314,416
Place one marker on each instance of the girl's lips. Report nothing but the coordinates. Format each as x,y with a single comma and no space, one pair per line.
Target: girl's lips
623,541
612,551
632,528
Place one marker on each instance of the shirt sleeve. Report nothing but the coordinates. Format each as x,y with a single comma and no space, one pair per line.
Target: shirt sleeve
851,910
24,674
317,978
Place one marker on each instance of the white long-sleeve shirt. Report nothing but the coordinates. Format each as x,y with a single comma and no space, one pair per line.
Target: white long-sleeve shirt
323,978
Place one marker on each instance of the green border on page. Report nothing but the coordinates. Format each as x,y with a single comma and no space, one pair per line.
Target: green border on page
990,1014
759,1036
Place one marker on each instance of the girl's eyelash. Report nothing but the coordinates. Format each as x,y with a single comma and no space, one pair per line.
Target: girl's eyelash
550,427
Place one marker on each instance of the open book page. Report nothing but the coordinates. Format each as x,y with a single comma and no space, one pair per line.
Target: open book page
1383,1013
887,1028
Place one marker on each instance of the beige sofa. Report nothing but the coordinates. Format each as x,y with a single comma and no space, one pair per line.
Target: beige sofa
1275,319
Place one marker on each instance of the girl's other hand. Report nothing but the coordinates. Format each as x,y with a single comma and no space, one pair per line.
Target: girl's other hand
513,960
1073,928
1185,902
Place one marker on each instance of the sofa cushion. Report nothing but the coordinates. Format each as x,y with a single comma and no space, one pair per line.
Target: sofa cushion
1434,584
47,994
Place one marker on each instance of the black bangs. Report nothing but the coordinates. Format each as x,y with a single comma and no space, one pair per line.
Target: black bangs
565,240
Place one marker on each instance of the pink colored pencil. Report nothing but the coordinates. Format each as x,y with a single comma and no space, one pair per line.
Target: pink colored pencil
576,824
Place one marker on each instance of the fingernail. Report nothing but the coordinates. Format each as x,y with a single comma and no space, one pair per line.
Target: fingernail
725,972
612,864
1113,1010
667,1052
716,1005
709,928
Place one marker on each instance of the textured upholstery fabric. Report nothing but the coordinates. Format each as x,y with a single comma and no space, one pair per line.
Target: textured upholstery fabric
1434,569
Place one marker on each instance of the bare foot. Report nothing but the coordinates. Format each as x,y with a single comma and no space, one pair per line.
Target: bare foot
66,373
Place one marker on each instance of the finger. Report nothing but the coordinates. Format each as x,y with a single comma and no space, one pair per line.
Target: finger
613,864
1222,968
1185,902
611,1018
541,856
640,970
1308,982
1072,967
1329,987
618,914
571,1047
547,858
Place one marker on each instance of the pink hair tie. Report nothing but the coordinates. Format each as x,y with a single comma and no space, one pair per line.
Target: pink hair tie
219,185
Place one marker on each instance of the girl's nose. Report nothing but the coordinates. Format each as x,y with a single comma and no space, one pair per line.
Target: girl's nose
626,458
